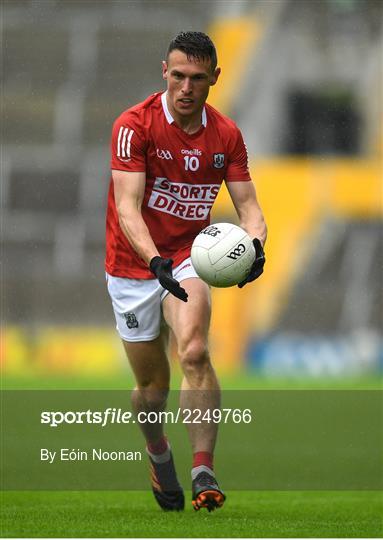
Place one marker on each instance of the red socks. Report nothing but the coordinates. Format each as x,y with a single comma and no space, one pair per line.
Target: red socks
203,458
160,452
159,447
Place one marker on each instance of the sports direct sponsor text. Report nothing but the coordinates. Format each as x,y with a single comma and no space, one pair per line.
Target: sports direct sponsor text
113,415
187,201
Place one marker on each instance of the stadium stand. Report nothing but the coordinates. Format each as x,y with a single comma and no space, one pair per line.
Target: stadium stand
333,295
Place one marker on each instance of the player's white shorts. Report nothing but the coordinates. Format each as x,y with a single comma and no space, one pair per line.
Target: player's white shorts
137,303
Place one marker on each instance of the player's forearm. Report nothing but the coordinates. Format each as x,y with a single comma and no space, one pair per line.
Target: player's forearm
248,209
256,228
137,232
252,220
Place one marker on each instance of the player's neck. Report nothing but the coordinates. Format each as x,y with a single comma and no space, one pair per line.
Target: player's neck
189,125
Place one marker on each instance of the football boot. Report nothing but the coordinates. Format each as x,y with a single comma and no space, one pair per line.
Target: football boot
206,492
165,486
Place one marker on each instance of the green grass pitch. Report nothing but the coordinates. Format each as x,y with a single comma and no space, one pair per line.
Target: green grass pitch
245,514
315,514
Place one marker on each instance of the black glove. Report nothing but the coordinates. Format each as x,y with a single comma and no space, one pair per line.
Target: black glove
258,264
162,269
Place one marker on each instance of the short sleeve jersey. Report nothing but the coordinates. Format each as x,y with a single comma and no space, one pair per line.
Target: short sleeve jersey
183,177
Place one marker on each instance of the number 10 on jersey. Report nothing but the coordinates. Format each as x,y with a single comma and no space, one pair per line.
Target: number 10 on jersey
191,163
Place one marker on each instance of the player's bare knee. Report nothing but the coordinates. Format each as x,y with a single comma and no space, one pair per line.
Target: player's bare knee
195,359
151,396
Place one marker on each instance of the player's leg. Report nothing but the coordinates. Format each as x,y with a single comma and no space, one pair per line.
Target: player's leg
190,324
137,308
200,389
150,366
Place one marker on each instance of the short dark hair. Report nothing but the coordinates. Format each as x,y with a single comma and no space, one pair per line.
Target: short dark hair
195,45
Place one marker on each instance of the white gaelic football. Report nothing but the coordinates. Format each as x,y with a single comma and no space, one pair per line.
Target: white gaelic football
222,254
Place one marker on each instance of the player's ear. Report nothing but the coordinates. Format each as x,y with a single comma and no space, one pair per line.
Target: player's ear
215,76
164,69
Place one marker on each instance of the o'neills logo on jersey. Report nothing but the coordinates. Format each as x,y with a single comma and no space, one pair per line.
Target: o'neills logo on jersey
186,201
194,152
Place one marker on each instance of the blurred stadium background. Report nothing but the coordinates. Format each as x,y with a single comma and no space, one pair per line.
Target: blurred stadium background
303,79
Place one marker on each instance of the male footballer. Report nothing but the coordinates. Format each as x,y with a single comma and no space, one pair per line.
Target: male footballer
170,155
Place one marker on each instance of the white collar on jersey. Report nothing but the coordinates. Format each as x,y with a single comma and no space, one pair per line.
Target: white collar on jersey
169,117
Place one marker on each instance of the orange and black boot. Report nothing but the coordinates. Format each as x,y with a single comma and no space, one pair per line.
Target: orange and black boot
206,492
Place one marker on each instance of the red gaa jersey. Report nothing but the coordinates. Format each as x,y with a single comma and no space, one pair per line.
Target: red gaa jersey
183,176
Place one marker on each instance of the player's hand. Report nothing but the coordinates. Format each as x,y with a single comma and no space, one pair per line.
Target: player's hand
258,264
162,269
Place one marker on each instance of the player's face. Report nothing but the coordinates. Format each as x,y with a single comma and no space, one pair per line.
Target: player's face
188,82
